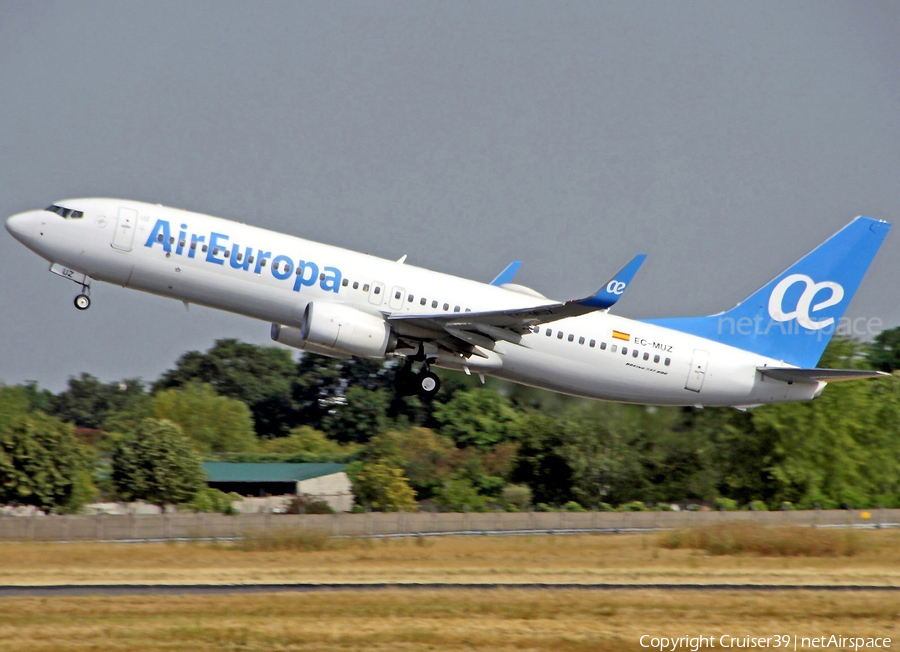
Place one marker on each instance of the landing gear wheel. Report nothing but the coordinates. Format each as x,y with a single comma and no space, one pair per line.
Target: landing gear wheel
429,384
82,302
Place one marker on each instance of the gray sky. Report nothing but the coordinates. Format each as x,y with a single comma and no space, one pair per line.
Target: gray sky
723,139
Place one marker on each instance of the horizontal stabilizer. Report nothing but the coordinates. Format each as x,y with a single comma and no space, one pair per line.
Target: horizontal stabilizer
794,375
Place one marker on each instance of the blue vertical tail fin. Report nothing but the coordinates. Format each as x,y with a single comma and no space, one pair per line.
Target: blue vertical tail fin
793,316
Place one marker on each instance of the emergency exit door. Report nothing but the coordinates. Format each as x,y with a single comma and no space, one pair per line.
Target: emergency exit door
697,373
123,237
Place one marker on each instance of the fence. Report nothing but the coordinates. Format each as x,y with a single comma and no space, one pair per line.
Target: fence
214,526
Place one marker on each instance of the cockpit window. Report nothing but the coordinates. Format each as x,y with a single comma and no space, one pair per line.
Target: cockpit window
66,213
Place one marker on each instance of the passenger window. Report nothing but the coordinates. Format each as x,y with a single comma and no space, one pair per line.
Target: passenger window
581,340
355,285
635,353
456,309
549,332
434,304
344,283
238,257
322,276
193,246
204,248
227,253
656,358
423,301
571,337
172,240
668,360
216,253
470,310
603,346
559,335
377,289
593,343
410,298
646,356
275,266
159,238
181,243
446,307
612,349
262,263
366,287
624,350
397,295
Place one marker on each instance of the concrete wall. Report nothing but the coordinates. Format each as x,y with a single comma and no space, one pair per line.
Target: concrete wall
334,489
188,526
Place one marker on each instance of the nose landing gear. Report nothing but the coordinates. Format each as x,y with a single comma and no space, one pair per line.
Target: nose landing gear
82,302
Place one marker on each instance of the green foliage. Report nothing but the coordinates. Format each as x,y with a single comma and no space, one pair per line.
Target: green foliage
361,416
458,494
303,504
259,376
426,457
213,423
381,487
209,500
884,352
156,463
726,504
572,506
310,443
89,403
517,496
41,461
479,418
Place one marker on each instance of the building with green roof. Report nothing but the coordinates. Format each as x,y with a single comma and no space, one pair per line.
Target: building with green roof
326,481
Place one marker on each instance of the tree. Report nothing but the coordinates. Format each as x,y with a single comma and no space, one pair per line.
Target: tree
214,423
884,352
359,417
479,417
425,456
89,403
156,463
309,442
381,487
42,463
316,389
259,376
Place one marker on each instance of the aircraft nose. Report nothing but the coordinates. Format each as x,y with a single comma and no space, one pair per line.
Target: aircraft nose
22,227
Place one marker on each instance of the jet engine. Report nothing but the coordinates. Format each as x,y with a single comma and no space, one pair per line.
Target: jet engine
339,331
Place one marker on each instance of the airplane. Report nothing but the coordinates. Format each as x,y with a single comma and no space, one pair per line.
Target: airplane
331,301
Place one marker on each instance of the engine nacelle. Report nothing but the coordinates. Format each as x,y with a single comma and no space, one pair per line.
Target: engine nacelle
338,330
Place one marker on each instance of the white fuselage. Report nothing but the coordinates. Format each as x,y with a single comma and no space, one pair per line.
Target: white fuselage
597,355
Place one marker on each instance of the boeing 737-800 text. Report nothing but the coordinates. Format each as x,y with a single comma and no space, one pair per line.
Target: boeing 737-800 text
335,302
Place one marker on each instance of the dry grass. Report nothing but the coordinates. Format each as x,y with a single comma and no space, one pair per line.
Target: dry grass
773,541
410,621
632,558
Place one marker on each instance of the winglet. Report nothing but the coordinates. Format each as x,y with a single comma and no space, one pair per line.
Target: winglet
506,276
607,296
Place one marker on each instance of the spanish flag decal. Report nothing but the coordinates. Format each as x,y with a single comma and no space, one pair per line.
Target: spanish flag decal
619,335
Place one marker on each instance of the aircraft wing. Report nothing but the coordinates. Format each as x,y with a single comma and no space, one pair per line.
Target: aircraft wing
511,323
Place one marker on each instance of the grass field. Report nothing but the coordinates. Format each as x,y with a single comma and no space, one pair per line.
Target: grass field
631,558
413,620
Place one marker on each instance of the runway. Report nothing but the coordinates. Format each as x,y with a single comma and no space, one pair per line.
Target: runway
21,591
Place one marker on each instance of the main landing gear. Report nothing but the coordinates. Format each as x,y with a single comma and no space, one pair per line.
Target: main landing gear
425,383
